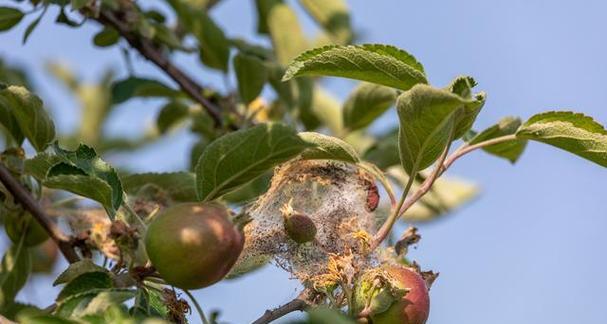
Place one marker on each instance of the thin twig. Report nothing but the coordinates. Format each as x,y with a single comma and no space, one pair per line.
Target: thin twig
443,164
463,150
298,304
146,48
30,204
386,228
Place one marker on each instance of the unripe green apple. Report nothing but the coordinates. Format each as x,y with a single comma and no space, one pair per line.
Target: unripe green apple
412,308
300,228
193,245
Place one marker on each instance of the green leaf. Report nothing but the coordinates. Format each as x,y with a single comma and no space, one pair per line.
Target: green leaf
328,148
510,150
107,298
256,50
305,102
196,151
333,16
214,45
30,28
384,152
15,310
239,157
263,9
381,64
9,17
76,269
429,119
284,90
325,315
92,302
249,191
85,282
10,124
367,102
64,19
462,86
44,319
130,87
106,37
251,74
180,186
13,75
171,114
79,4
286,33
14,271
39,165
34,122
86,186
81,172
327,109
149,303
165,35
572,132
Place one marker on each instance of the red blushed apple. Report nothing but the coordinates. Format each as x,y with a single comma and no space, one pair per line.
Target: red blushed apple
193,245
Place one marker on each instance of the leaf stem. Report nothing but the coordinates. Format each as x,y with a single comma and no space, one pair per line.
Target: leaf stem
203,318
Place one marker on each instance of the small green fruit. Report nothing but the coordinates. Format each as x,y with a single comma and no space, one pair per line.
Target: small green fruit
193,245
300,228
412,308
20,223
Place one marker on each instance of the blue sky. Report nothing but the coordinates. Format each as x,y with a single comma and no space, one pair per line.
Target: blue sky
530,249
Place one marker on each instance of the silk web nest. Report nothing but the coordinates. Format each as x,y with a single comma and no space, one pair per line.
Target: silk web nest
334,196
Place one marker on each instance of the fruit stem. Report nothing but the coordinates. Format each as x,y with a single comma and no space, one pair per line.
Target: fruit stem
197,305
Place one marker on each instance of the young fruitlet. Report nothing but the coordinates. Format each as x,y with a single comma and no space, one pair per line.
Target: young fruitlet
20,223
299,227
193,245
383,302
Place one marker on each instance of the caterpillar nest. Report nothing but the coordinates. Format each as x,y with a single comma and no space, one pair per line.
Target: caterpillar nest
334,196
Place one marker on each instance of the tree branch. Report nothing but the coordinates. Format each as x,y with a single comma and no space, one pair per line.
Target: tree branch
24,197
146,48
298,304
